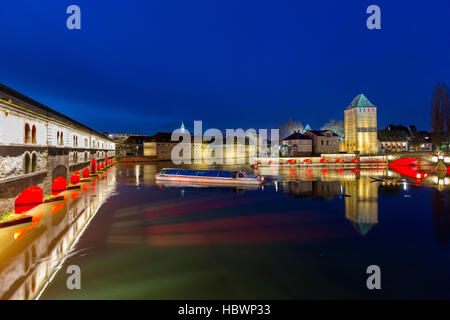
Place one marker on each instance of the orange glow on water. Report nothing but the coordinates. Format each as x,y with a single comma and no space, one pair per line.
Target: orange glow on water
74,194
17,235
56,207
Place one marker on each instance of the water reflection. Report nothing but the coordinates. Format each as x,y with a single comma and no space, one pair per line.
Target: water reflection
286,239
30,254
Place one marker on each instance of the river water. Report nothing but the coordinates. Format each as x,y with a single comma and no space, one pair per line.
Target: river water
306,233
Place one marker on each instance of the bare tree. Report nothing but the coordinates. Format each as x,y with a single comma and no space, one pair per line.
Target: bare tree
436,116
446,116
337,126
289,127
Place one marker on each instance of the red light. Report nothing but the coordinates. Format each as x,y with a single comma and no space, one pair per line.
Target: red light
355,170
75,178
59,184
28,199
340,171
340,160
323,160
86,173
419,176
355,160
93,165
103,165
325,172
307,160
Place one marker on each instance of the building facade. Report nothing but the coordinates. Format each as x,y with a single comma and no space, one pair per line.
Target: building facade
324,141
361,127
297,144
38,144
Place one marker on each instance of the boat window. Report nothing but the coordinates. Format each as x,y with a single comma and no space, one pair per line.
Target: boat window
163,171
240,175
206,173
171,171
225,174
187,172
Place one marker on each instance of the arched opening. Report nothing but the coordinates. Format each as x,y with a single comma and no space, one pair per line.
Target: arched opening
59,171
86,173
27,133
61,142
59,184
57,137
33,162
75,157
28,199
26,162
33,134
75,177
85,156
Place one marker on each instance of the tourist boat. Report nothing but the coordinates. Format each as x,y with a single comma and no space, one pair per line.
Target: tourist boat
208,176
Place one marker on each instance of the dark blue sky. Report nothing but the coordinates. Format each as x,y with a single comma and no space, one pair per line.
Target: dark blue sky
145,66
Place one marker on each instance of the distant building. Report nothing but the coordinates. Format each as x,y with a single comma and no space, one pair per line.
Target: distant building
297,144
132,146
160,146
324,141
399,138
392,141
361,126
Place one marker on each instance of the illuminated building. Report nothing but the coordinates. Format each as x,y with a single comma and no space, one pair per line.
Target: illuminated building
361,127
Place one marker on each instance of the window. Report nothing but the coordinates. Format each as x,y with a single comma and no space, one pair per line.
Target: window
75,157
33,135
33,162
27,133
27,163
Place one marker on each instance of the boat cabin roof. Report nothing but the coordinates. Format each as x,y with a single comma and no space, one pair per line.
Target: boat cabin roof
203,173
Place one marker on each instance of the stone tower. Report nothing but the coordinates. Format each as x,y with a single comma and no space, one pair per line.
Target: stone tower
361,126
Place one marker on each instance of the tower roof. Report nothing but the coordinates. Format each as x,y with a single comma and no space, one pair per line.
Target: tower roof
360,101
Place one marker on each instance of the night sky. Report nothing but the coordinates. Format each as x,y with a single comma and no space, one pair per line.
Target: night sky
145,66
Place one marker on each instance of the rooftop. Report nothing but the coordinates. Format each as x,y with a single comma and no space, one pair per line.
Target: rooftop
360,101
17,99
297,136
